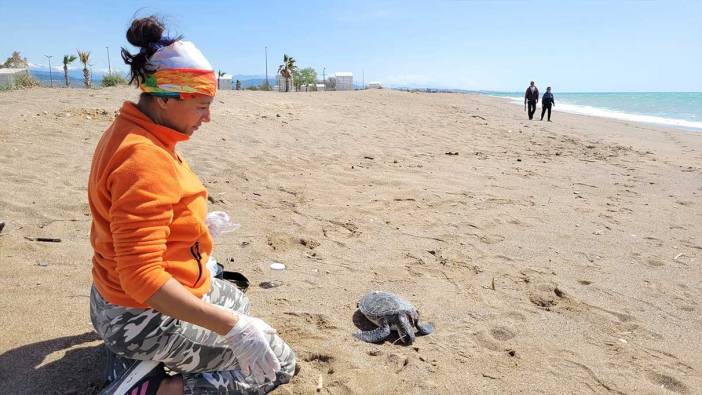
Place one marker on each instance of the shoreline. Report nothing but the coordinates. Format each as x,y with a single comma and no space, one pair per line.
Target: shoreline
599,112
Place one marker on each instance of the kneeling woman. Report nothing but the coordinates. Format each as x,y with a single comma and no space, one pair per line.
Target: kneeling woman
153,300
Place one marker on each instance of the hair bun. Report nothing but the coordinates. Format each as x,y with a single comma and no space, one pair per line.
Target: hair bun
145,31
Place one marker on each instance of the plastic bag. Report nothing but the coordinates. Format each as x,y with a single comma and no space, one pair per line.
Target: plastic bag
218,222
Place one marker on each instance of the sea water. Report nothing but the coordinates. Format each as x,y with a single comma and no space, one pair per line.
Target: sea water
677,109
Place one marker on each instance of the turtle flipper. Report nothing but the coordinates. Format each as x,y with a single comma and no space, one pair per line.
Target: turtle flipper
376,335
424,328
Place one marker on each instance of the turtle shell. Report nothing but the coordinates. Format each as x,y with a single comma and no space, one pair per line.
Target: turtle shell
378,304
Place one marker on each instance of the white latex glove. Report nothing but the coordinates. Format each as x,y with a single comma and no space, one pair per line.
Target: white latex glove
251,349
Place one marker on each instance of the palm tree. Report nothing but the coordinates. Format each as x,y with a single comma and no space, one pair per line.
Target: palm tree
220,73
84,57
286,70
67,59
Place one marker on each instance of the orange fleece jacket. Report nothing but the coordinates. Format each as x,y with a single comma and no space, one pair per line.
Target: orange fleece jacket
149,212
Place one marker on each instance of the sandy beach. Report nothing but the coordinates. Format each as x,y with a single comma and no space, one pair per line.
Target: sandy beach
555,257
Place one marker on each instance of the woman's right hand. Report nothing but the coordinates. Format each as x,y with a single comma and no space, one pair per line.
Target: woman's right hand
249,343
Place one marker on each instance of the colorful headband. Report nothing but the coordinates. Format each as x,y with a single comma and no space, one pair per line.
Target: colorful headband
179,70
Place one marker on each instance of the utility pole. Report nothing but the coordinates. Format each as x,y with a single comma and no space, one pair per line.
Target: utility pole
324,77
267,84
51,75
363,79
109,68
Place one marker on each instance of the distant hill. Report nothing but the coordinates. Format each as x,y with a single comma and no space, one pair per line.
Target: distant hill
254,82
249,80
245,77
75,77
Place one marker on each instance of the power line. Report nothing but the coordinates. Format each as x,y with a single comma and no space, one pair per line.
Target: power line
51,75
109,68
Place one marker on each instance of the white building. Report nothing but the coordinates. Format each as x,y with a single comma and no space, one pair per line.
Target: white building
375,85
321,87
344,81
225,82
283,84
8,77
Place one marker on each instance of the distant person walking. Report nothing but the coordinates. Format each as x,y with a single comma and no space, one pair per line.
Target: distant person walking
531,96
546,102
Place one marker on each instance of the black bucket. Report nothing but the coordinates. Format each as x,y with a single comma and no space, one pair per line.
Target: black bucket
237,279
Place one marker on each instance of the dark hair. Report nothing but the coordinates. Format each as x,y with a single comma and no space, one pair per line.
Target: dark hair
145,33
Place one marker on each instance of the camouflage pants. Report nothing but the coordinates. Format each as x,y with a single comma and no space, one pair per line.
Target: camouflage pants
204,359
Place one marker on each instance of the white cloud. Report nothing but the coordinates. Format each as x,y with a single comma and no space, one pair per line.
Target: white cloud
45,67
106,70
73,67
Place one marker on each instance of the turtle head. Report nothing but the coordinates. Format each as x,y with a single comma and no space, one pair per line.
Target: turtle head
413,317
405,329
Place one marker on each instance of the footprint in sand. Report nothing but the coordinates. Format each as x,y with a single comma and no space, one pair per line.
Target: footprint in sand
684,304
685,203
546,296
284,241
349,226
655,261
309,243
491,239
515,316
502,333
321,321
483,340
322,362
398,360
318,357
667,382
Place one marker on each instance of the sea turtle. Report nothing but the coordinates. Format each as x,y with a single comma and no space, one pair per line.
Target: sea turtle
390,312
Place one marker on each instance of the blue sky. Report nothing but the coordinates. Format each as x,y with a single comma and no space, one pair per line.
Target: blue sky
493,45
